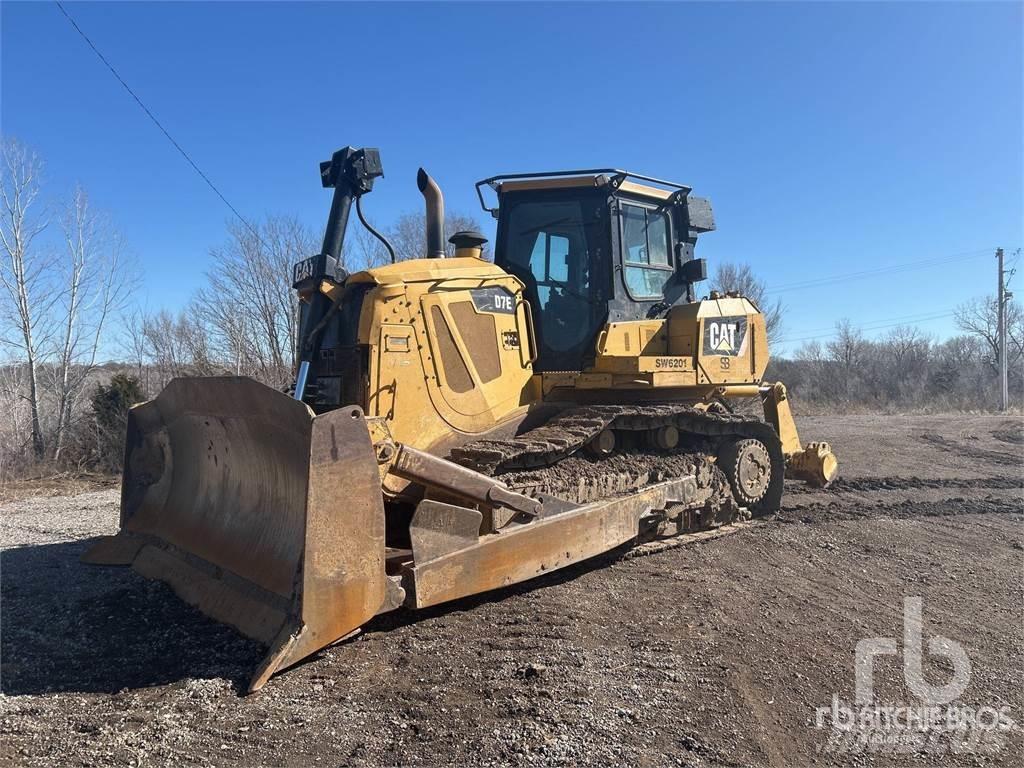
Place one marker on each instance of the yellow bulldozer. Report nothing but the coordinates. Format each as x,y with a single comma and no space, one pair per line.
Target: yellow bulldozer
458,425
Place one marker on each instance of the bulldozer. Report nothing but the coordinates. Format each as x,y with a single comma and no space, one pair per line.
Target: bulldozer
456,424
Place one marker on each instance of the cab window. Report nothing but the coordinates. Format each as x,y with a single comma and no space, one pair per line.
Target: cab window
556,246
645,250
554,237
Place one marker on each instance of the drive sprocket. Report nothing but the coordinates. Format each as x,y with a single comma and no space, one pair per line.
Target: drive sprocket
748,466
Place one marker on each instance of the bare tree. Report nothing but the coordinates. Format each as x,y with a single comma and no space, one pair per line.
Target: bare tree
980,317
249,306
15,426
363,250
132,342
95,278
848,346
908,346
408,233
24,271
741,278
810,352
815,360
407,236
898,366
177,345
164,348
957,367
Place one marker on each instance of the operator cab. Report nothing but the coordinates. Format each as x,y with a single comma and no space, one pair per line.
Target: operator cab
594,247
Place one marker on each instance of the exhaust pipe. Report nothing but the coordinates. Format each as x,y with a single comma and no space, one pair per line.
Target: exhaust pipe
435,214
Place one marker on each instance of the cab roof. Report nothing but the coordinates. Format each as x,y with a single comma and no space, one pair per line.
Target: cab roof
622,181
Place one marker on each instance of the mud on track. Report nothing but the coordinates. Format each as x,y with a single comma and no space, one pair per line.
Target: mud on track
714,654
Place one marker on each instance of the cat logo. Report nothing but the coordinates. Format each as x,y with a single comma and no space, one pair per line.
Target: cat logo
724,336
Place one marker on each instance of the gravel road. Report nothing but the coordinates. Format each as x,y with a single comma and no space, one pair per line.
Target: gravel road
717,653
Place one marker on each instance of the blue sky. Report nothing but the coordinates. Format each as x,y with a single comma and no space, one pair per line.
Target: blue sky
831,138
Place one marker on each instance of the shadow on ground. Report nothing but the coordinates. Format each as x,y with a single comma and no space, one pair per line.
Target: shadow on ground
70,627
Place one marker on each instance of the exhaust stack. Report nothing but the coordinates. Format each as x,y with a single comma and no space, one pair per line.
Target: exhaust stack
434,214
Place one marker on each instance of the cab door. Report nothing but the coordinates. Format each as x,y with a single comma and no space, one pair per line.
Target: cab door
558,244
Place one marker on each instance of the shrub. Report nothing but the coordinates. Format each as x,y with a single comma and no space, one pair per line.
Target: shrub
110,404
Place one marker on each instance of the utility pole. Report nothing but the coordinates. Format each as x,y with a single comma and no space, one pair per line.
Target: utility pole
1004,395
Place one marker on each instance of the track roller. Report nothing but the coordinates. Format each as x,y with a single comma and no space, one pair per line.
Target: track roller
666,438
602,444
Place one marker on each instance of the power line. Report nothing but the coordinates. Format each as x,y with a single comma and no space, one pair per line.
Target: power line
874,328
157,123
871,327
1012,269
911,318
874,325
906,266
888,269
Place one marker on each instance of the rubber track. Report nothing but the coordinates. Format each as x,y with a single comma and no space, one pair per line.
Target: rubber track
570,430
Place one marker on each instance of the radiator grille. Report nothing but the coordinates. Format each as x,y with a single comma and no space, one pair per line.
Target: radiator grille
480,338
456,373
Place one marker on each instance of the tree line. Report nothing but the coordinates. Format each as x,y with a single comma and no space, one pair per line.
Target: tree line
76,350
905,368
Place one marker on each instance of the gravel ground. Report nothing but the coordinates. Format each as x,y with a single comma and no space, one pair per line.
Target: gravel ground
711,654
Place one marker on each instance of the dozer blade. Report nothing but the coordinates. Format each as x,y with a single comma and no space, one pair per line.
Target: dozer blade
254,510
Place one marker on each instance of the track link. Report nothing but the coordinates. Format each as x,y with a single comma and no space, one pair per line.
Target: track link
570,430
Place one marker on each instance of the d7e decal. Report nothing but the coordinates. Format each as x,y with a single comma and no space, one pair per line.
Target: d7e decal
498,300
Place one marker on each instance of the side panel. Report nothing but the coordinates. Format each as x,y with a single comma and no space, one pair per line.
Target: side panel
397,381
727,337
450,355
698,347
473,358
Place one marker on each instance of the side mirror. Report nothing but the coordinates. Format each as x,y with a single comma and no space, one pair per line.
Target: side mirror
694,270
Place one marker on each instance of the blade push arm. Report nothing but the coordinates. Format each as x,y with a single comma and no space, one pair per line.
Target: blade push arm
814,463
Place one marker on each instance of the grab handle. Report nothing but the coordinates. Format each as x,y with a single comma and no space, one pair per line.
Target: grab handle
529,333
